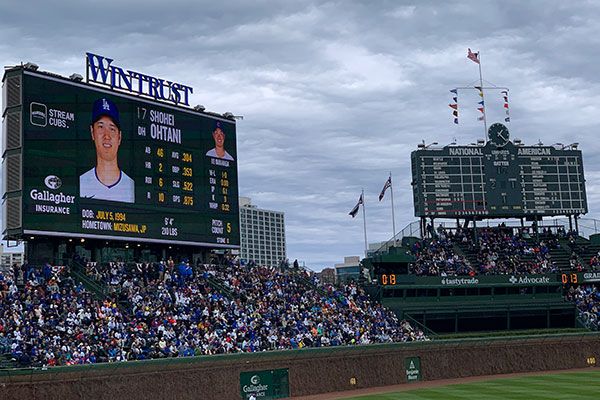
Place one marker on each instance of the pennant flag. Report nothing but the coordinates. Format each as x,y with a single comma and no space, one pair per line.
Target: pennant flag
456,121
504,92
454,91
480,118
388,184
507,119
505,105
507,113
506,99
354,211
478,88
455,99
481,102
480,94
480,109
455,113
473,56
455,106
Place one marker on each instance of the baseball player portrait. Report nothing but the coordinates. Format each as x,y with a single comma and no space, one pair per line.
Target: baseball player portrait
106,181
219,137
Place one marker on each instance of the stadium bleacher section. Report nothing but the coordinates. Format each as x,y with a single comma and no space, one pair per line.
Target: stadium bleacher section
162,310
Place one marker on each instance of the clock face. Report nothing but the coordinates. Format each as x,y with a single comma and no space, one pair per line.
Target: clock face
498,134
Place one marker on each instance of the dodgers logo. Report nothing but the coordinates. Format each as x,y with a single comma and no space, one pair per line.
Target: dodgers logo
105,105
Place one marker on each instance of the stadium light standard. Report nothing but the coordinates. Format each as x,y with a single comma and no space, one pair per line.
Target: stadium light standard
423,146
572,146
31,66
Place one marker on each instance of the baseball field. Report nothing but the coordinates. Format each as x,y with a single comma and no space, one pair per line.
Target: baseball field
571,385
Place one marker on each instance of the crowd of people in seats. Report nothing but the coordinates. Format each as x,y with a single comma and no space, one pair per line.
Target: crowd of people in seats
587,302
497,251
51,320
436,256
158,310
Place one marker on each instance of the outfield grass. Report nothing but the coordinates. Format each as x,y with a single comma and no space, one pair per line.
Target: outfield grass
570,385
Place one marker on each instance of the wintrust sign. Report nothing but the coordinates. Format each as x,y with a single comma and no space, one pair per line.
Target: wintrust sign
101,70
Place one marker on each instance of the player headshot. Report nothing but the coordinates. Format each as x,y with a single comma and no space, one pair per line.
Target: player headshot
106,181
219,137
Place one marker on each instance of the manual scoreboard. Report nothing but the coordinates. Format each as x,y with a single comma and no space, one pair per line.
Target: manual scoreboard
174,183
498,179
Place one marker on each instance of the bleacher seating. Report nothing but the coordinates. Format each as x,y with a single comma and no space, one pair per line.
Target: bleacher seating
161,310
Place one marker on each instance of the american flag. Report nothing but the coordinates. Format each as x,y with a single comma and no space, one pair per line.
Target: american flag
354,211
388,184
473,56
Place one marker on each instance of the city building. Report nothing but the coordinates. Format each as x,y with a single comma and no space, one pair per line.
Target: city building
327,275
9,258
350,269
262,234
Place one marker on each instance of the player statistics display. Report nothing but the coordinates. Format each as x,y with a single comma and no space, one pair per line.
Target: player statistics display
500,179
100,164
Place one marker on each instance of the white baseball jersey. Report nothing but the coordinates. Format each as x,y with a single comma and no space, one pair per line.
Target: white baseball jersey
213,153
90,187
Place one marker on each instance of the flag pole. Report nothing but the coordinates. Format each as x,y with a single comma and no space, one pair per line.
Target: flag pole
482,98
364,219
393,217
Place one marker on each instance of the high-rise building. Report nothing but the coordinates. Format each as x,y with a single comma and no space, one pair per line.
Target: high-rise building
7,259
262,234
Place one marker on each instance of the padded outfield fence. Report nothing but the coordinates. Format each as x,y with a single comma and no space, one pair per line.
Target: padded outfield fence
309,371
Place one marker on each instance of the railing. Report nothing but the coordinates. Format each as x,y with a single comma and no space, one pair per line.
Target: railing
586,228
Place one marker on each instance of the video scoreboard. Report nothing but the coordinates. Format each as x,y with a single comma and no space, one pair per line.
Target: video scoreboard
498,181
164,173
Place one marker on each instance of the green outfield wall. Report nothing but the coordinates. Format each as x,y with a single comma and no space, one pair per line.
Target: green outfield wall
308,371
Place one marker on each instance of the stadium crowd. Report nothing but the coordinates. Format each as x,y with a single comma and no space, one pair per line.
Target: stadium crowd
496,251
587,302
159,310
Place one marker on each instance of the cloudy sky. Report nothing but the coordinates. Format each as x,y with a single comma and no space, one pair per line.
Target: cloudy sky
335,95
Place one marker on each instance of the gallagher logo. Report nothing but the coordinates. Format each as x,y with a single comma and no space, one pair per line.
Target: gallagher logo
38,114
53,182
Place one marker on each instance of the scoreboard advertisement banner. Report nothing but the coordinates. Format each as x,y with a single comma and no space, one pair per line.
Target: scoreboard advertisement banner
101,164
498,181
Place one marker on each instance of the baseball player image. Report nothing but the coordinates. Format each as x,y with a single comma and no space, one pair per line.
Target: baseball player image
219,137
106,181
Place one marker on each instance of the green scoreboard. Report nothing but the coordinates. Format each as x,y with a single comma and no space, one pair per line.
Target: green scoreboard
498,179
84,161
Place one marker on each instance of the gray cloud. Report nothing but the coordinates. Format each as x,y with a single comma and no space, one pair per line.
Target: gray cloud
335,95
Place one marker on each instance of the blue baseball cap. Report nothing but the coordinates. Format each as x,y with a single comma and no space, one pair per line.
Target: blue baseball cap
218,125
105,107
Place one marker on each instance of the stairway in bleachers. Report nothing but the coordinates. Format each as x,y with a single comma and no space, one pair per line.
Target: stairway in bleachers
471,256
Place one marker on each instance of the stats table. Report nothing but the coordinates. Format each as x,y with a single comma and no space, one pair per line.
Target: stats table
176,167
511,181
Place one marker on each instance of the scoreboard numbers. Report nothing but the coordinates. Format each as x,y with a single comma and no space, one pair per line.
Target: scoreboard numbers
491,181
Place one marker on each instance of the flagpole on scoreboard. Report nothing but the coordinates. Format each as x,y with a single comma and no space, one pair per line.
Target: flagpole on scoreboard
364,219
393,217
482,98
